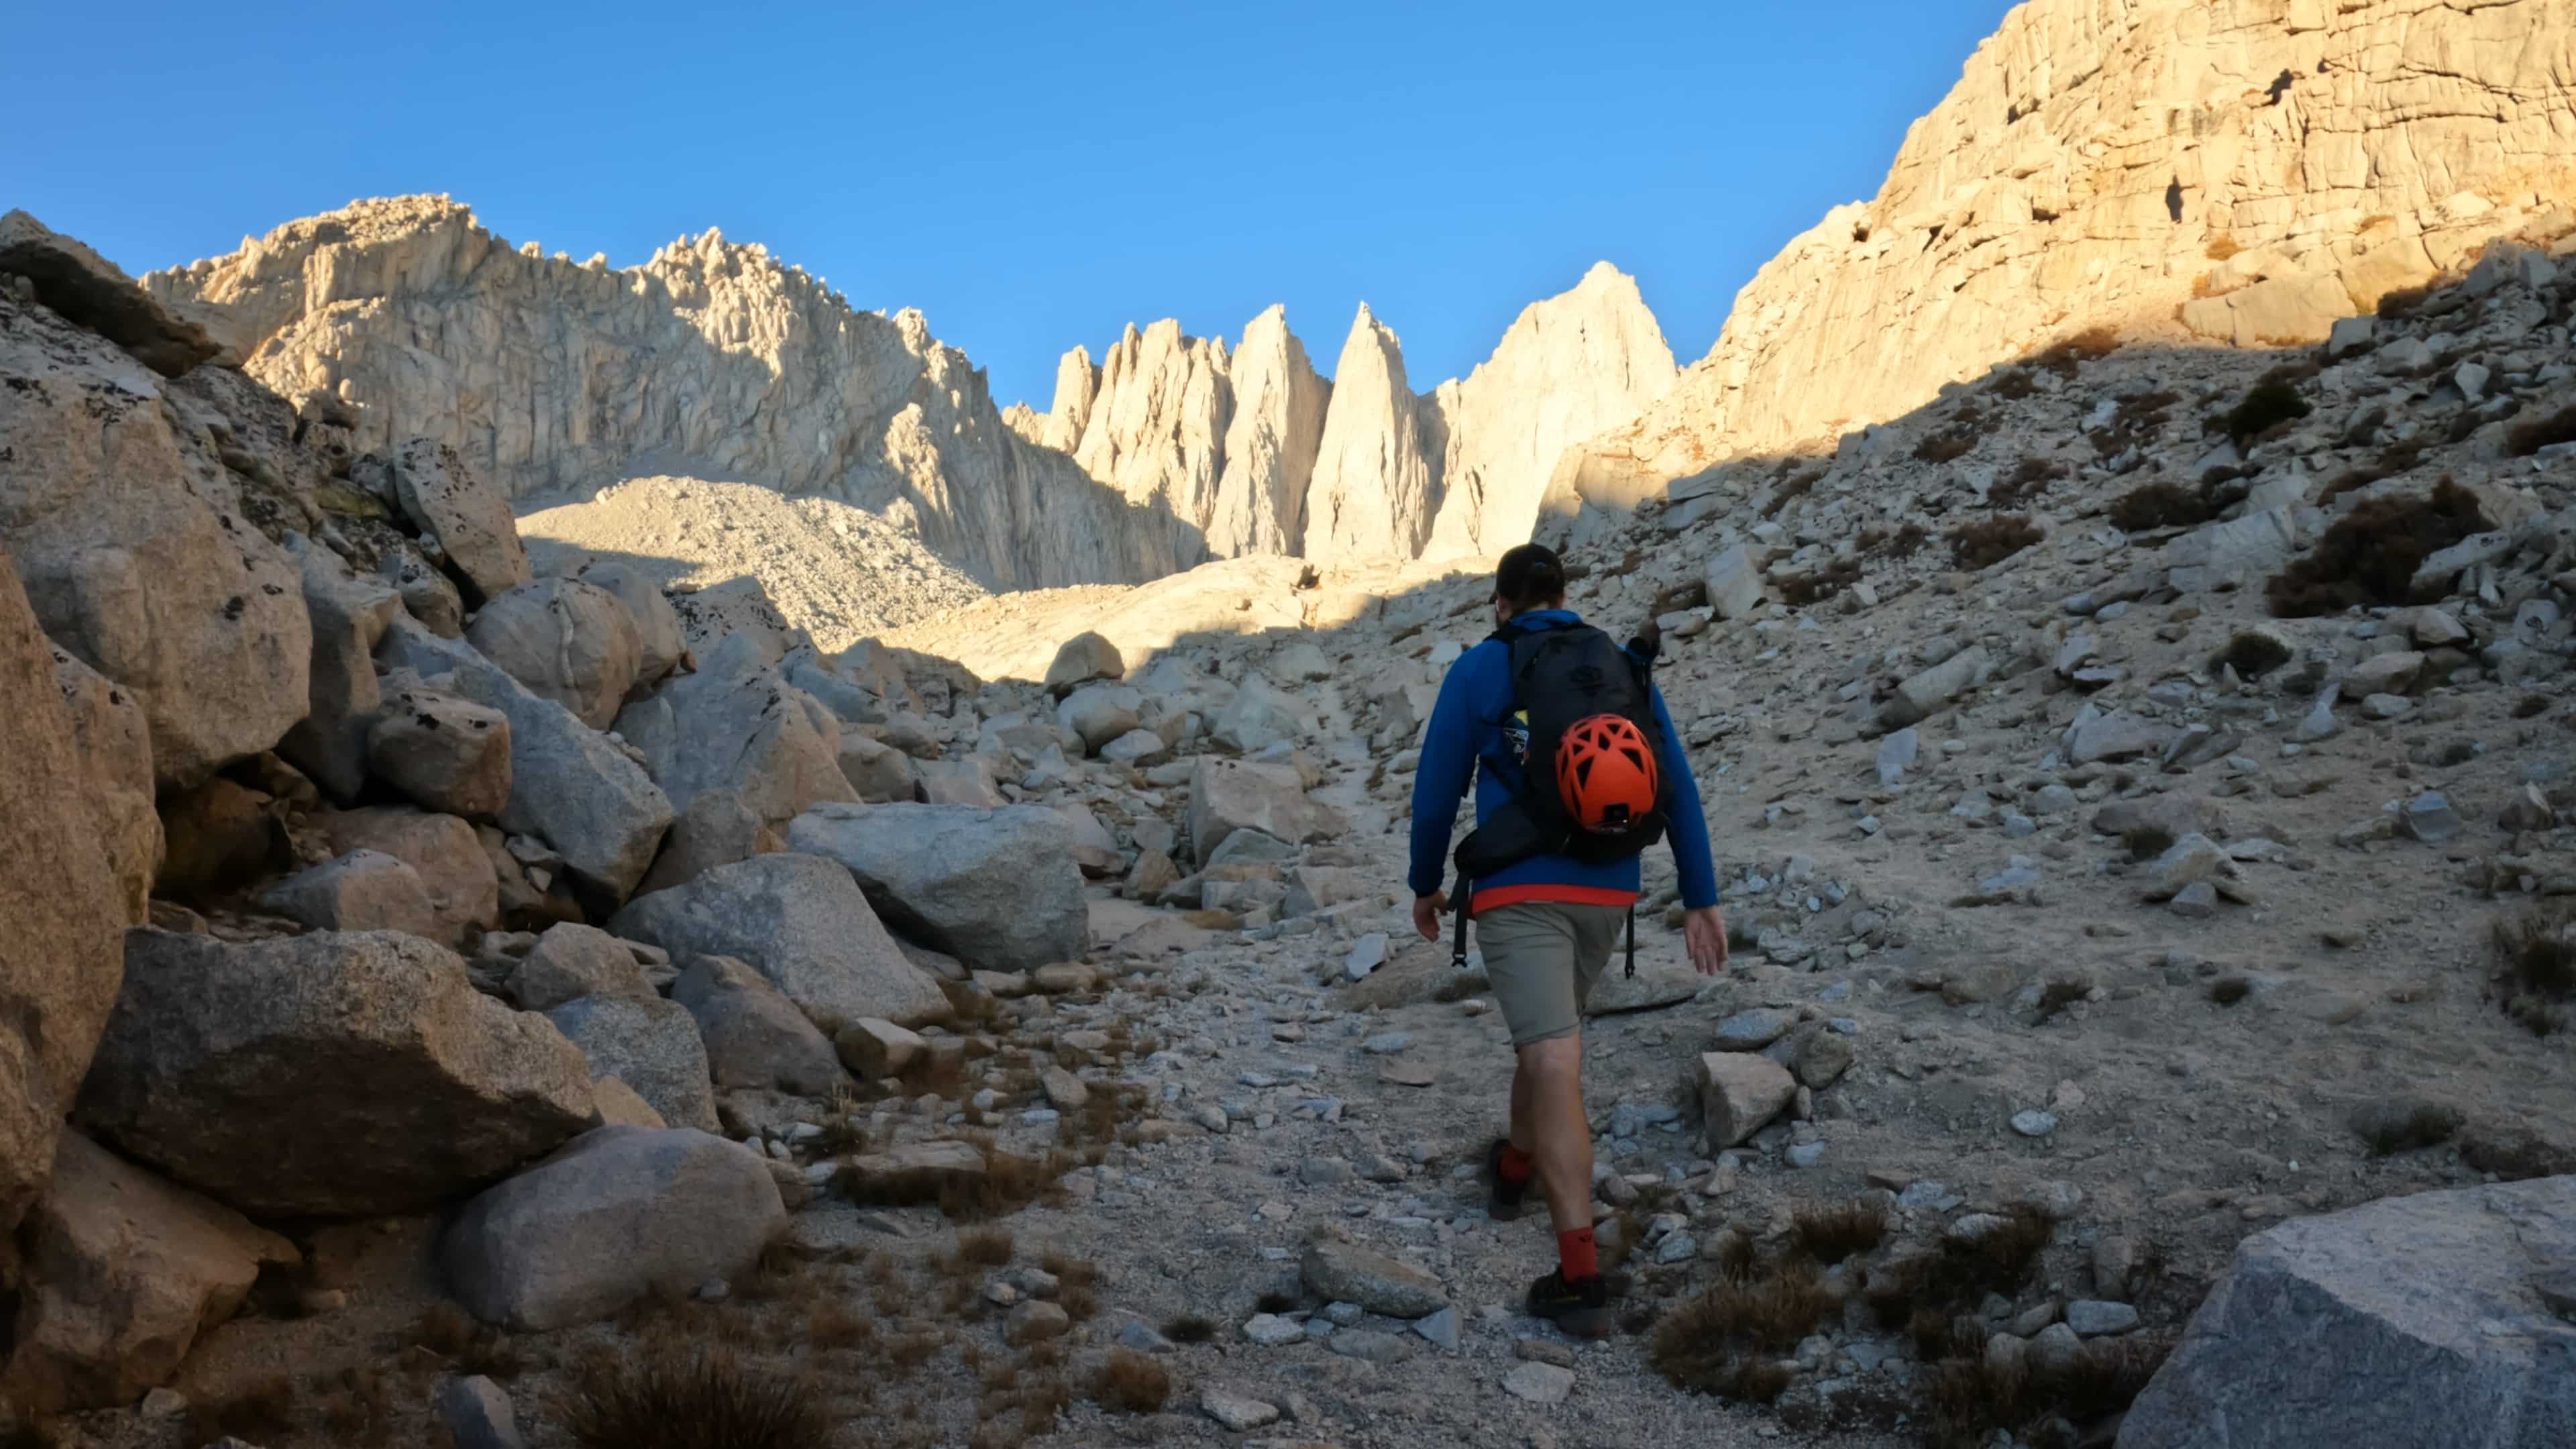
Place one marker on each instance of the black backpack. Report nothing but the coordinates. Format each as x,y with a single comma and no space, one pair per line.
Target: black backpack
1561,676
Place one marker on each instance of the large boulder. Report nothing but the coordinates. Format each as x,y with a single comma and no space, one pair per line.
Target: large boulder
445,753
754,1035
1101,713
621,1213
93,292
468,515
569,641
1261,715
738,725
998,889
325,1075
799,920
122,1272
569,786
571,961
2460,1298
877,771
364,890
1231,795
220,836
659,644
62,911
112,744
717,829
649,1044
1082,659
128,535
350,614
464,891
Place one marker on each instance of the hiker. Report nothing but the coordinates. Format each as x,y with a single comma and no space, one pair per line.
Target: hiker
1577,770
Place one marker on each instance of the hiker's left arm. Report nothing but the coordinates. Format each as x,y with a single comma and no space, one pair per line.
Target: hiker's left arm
1685,821
1441,775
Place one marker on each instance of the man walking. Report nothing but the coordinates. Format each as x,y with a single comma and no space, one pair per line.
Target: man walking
1577,769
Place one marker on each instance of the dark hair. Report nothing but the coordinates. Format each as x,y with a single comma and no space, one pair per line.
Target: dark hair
1530,576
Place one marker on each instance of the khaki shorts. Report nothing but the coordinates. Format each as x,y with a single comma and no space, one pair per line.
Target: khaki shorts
1542,958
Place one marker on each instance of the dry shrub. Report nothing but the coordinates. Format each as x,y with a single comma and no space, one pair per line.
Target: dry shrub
2404,1124
2251,653
970,1002
357,1407
1909,537
2028,479
1831,1233
2536,966
444,1328
2221,247
1008,1183
2403,302
1707,1342
2160,505
1131,1383
1818,584
2533,434
985,1247
2370,555
2090,345
2013,384
262,1409
1968,1399
1798,486
835,1324
912,1350
2531,706
2515,1154
1954,1279
1190,1328
1978,546
2229,990
2266,405
1735,1258
1945,446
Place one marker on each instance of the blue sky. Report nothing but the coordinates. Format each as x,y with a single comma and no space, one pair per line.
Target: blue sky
1028,176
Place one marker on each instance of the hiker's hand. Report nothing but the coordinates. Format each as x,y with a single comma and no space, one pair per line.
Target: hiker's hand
1427,911
1704,935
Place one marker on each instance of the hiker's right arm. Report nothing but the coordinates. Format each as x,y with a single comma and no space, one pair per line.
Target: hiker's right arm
1441,778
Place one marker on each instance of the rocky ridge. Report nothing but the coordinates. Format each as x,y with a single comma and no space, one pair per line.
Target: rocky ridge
711,358
714,360
2241,173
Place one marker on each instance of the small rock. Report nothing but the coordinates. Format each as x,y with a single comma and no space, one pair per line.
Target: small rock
2429,818
2091,1318
1442,1328
2055,1350
2034,1123
2197,901
478,1414
1366,955
1539,1383
1269,1330
1235,1411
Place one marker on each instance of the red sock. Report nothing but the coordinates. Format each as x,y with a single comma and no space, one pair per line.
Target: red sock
1574,1256
1514,1165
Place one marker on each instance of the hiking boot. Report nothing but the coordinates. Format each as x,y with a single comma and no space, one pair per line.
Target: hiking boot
1580,1308
1504,1201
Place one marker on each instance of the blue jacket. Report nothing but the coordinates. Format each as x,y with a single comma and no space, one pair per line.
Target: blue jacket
1466,737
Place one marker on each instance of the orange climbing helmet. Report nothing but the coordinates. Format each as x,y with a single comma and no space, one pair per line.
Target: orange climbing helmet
1605,775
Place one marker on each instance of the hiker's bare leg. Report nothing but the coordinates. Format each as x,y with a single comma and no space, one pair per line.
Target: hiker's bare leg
1547,1103
1524,1130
